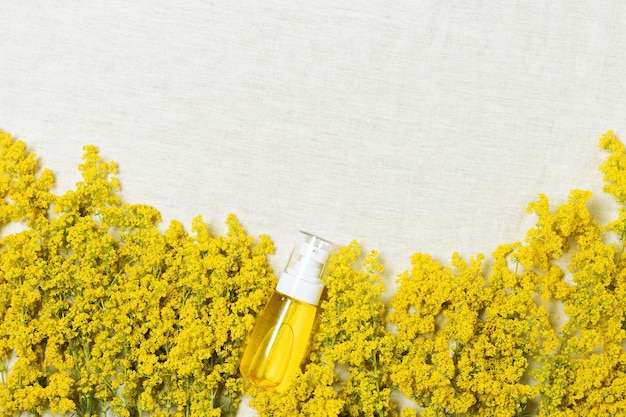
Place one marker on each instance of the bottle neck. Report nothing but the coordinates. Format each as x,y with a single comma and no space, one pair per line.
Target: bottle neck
300,288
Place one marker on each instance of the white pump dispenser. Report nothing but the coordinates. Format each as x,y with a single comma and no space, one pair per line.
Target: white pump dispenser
301,279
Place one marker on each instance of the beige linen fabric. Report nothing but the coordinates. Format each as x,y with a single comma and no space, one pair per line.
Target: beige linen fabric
407,125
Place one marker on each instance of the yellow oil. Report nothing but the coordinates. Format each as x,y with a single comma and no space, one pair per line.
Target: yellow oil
278,343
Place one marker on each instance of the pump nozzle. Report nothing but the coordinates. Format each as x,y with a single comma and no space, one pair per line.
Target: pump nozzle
301,278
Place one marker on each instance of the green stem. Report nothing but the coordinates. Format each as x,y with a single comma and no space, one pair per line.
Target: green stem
621,251
377,379
74,353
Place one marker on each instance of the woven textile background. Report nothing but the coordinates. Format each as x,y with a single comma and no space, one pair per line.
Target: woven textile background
407,125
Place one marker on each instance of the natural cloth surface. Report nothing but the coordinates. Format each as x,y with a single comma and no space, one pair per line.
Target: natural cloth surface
408,126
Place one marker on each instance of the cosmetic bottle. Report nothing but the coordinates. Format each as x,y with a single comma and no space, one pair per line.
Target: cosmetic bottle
281,335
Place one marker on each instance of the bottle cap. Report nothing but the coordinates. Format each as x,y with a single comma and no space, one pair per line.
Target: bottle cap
302,278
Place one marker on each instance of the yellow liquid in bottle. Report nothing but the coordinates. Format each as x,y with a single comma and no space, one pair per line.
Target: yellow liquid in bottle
278,343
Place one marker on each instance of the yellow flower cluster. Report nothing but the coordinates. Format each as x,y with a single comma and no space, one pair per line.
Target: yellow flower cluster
484,340
351,352
101,310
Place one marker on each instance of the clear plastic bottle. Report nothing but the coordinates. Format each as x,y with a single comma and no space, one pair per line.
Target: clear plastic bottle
281,335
